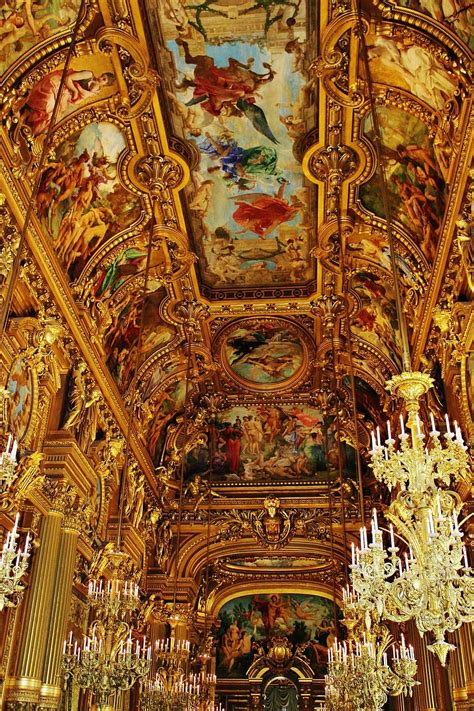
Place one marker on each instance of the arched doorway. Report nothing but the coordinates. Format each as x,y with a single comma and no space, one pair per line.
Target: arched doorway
280,694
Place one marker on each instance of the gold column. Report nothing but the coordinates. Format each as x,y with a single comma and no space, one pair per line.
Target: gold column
465,637
458,672
51,687
25,686
425,694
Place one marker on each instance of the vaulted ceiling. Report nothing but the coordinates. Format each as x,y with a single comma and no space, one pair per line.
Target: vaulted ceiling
238,136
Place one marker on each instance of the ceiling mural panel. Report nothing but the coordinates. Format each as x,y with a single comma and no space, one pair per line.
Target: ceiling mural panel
403,59
89,79
415,182
264,353
121,341
375,318
276,564
248,623
81,200
244,103
270,442
30,25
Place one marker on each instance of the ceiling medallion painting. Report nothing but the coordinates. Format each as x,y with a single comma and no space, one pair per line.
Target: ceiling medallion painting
244,103
264,354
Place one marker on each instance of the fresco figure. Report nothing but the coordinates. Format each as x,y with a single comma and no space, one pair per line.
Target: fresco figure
240,166
227,90
261,214
78,87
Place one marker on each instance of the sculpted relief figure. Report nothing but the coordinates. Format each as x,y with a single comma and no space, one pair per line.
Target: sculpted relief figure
76,398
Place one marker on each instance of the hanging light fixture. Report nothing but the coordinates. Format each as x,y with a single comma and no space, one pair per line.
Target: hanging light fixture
361,676
13,566
434,584
109,660
8,465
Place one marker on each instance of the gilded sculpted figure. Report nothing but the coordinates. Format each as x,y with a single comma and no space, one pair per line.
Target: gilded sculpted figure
76,398
199,490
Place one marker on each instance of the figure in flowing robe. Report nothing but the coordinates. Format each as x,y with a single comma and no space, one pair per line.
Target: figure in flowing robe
261,213
78,86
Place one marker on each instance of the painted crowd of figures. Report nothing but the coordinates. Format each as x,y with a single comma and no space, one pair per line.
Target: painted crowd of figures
249,623
267,443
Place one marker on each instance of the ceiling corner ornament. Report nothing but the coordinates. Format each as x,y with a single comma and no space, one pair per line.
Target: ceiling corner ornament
273,526
141,80
333,165
329,307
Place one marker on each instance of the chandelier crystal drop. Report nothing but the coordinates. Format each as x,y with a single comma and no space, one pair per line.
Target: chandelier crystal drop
432,582
13,566
8,465
361,677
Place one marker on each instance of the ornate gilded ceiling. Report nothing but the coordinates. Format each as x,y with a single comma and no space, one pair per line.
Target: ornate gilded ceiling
238,136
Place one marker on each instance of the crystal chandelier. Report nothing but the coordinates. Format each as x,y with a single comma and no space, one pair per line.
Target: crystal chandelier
171,691
432,583
13,565
8,465
102,670
360,676
109,661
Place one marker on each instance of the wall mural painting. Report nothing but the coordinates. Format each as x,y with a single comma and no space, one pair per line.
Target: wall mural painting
414,177
244,103
264,352
85,82
376,320
270,443
80,199
121,342
457,14
248,624
399,62
19,405
25,24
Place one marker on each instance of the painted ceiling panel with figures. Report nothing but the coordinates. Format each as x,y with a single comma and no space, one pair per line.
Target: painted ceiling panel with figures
237,136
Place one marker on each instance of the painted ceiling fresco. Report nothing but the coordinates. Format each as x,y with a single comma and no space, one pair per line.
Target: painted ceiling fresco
240,92
244,104
267,442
